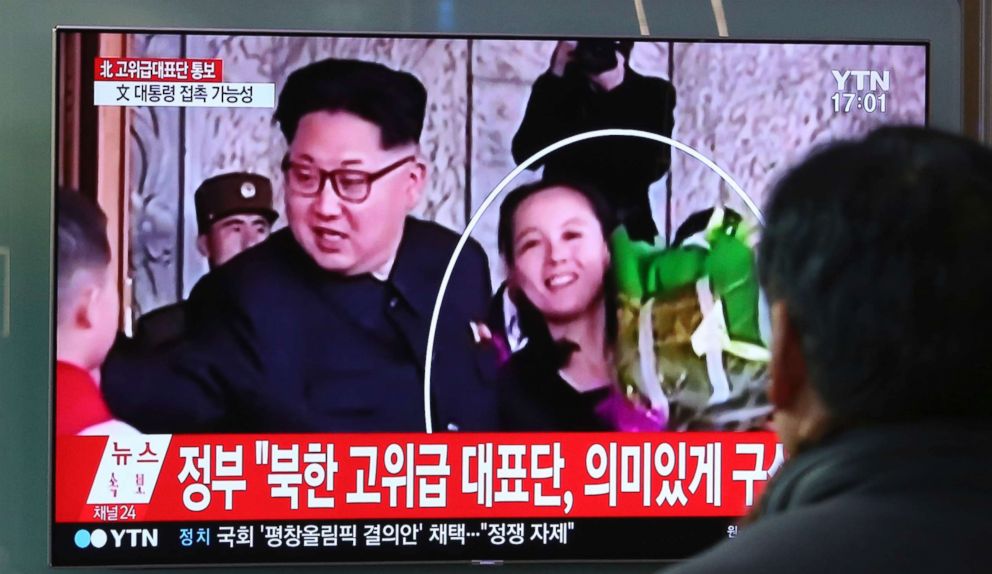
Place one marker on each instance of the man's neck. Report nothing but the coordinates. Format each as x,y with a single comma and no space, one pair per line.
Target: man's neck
384,269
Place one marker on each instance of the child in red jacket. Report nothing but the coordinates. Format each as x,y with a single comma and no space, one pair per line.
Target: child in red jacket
86,318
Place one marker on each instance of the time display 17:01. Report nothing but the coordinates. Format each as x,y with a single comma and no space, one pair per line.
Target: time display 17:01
869,102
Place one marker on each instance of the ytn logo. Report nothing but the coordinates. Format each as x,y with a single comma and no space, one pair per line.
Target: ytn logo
876,81
85,538
128,537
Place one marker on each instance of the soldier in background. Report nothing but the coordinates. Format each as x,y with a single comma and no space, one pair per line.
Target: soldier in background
233,212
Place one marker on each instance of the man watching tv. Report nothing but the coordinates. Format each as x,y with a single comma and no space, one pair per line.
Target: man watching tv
876,263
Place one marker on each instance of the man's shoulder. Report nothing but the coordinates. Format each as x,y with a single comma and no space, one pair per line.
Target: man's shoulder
430,233
851,533
263,279
423,259
433,239
165,314
277,260
278,249
648,83
162,325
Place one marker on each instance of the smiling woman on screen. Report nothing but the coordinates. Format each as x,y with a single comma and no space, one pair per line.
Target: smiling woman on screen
553,236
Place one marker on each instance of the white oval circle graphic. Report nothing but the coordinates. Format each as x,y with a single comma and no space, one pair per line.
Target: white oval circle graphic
495,193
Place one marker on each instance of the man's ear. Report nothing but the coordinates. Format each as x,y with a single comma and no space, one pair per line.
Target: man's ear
416,182
787,369
203,245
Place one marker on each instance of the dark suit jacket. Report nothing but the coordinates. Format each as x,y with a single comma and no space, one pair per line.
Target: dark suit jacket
535,398
279,344
896,498
162,327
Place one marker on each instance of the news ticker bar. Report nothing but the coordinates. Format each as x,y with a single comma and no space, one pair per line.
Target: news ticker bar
150,478
241,543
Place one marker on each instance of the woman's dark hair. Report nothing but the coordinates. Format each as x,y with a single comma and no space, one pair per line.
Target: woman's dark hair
531,321
879,250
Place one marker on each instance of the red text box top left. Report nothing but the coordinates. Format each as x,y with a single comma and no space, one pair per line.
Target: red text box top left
158,70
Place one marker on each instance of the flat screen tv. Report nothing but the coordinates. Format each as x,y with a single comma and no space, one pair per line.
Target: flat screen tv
339,298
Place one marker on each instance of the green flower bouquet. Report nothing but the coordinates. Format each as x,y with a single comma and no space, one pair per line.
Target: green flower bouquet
689,339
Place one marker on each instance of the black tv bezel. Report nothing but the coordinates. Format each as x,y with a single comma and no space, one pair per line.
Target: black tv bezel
56,112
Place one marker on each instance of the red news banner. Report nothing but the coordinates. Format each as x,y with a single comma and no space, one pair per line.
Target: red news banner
396,476
158,70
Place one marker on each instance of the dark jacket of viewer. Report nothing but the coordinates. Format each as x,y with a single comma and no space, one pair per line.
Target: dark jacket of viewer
894,498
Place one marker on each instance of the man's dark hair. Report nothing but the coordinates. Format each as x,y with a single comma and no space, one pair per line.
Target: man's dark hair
880,251
532,323
82,240
395,101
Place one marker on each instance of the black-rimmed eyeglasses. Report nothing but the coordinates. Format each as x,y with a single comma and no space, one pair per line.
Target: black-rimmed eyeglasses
351,185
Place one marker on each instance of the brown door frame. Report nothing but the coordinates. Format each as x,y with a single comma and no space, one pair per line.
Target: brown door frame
976,24
93,150
112,168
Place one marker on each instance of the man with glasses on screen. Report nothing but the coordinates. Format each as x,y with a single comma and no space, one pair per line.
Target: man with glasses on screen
323,327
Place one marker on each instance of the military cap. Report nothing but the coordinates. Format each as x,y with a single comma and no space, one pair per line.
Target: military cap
231,193
393,100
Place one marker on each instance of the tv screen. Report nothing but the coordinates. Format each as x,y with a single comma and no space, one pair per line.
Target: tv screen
391,298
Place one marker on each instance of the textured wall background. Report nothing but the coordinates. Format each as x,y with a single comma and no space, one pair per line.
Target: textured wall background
751,108
755,109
